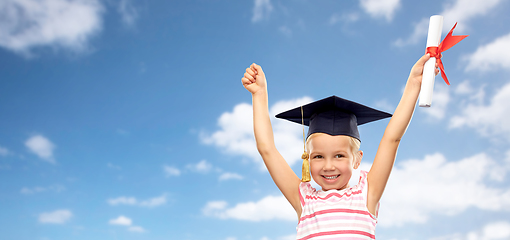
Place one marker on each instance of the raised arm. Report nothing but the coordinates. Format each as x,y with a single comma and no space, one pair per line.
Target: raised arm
387,151
287,181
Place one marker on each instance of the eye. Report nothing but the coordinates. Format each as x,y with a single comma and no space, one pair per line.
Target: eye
317,156
339,156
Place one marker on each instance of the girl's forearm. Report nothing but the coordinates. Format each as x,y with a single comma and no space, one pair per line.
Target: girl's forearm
261,122
404,112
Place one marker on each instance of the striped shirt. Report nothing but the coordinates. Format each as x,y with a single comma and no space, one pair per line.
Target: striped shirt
336,214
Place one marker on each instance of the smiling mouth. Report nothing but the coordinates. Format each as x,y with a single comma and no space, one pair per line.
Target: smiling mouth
331,177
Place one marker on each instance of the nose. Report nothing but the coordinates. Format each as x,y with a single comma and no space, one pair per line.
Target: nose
328,165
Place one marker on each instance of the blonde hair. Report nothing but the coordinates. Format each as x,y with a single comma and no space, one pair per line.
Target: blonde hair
353,142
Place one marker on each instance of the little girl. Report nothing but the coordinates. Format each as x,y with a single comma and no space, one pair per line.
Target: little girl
337,211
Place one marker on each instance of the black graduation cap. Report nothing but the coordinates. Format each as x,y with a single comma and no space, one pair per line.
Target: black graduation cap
334,116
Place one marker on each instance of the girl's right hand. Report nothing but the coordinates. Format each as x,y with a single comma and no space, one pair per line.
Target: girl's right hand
254,79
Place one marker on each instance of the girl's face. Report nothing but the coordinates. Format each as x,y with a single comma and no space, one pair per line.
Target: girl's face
331,161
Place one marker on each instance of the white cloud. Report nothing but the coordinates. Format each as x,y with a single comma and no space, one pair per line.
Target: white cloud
491,231
125,221
122,201
69,24
268,208
42,147
464,88
495,230
475,95
419,32
236,132
4,151
385,105
128,12
419,188
152,202
201,167
229,176
54,188
121,220
213,207
261,10
492,56
440,100
461,11
171,171
56,217
380,8
493,121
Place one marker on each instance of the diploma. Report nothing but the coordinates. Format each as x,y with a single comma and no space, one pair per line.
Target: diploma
429,75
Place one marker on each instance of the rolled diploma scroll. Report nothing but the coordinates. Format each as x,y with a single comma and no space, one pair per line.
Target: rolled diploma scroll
429,75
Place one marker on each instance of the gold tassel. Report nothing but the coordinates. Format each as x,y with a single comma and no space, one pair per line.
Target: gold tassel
305,170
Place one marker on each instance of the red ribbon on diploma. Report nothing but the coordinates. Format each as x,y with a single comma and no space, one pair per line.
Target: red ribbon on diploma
448,42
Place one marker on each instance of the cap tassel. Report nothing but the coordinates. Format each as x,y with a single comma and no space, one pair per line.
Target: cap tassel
305,170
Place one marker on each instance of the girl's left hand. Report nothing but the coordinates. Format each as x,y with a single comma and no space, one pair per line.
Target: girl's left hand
417,71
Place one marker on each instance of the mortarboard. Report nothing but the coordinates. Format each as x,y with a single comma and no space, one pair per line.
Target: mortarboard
333,116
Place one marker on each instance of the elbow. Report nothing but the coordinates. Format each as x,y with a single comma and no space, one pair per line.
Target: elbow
264,149
393,139
263,153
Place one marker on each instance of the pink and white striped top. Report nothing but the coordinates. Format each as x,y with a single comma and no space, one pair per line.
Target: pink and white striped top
336,214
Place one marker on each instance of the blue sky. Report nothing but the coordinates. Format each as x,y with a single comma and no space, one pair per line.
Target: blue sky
124,119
